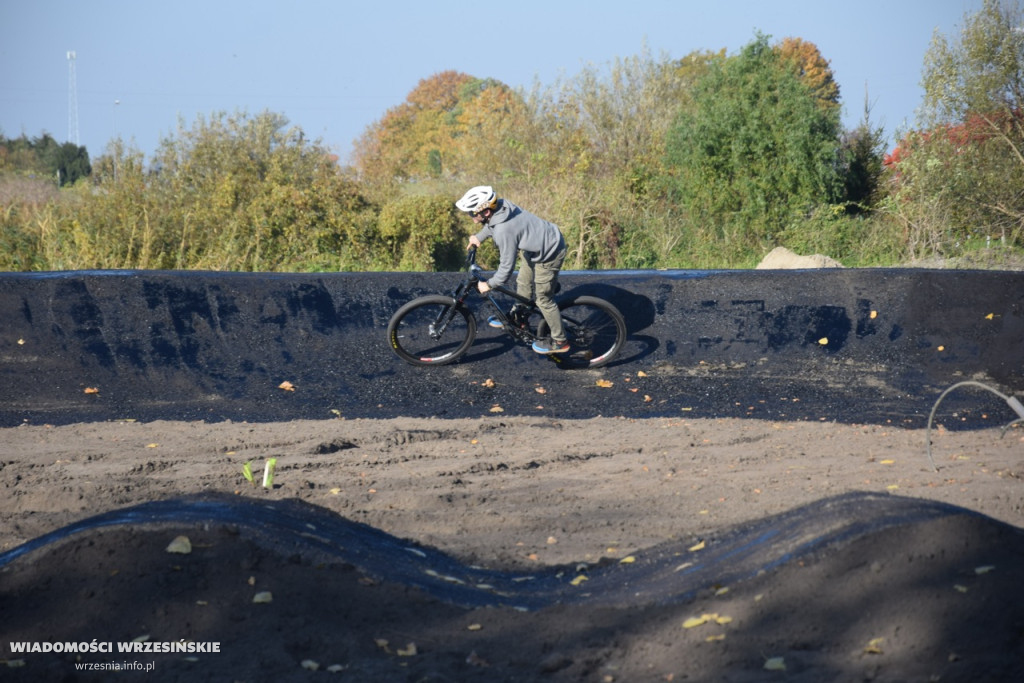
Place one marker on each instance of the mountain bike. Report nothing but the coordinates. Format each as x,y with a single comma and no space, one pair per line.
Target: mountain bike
438,329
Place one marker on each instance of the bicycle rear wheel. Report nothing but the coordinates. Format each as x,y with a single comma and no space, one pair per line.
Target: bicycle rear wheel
595,330
431,330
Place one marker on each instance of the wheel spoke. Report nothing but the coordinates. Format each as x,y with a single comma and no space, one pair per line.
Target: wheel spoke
595,331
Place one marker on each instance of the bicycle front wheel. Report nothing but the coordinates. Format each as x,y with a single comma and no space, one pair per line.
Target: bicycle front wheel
595,329
431,330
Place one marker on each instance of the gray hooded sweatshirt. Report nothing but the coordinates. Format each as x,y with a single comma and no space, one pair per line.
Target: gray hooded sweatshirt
515,230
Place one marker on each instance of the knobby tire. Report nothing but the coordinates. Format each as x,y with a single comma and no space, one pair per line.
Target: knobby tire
595,329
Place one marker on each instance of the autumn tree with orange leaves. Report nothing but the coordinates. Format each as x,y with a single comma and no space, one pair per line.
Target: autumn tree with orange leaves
812,69
450,124
412,139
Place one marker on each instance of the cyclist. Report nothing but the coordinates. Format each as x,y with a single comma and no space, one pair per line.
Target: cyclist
516,231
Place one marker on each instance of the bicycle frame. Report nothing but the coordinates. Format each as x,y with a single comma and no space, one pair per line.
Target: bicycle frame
475,276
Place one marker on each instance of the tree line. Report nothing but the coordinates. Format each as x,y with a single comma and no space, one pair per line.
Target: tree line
708,161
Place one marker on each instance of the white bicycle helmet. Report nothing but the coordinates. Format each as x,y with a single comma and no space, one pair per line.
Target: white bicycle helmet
477,199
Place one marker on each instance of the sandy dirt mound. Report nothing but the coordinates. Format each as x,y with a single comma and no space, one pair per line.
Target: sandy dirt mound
933,599
782,258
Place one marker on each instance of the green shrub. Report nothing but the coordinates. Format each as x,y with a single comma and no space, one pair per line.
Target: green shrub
422,233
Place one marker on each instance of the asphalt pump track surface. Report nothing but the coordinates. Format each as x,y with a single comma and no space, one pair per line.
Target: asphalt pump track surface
866,346
662,575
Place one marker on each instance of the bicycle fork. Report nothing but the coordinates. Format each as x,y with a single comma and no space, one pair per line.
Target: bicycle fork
440,324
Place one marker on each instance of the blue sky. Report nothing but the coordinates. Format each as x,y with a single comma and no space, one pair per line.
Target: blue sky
334,67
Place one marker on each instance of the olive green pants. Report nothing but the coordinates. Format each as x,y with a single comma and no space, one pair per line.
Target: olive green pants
537,281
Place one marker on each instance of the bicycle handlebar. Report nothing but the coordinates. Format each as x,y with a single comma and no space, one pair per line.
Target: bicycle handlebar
471,265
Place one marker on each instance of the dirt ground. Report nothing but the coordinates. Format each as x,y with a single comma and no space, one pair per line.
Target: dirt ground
934,600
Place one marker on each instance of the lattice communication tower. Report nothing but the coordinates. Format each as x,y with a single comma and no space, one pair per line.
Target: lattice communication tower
72,99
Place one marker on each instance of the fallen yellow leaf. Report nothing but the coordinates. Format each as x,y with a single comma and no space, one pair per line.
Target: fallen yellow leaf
874,646
604,383
489,383
541,390
641,373
705,618
180,545
629,559
92,390
408,651
775,664
286,386
497,409
578,580
698,546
